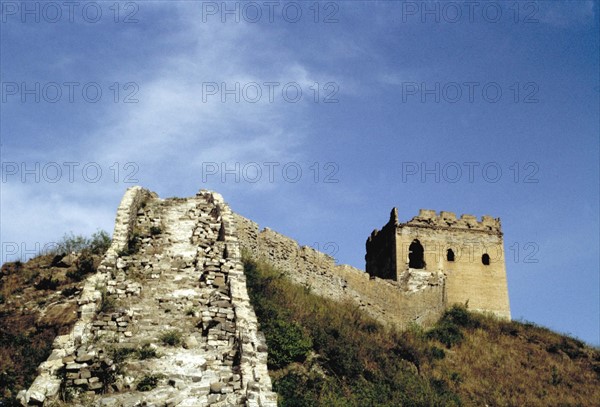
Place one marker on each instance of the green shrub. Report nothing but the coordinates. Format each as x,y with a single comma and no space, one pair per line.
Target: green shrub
447,333
146,352
97,244
22,352
148,383
343,357
460,316
67,292
120,354
436,353
171,338
295,389
408,353
7,379
84,266
10,402
155,230
100,242
509,328
440,386
448,329
46,283
72,243
456,377
30,276
75,275
287,343
555,379
572,347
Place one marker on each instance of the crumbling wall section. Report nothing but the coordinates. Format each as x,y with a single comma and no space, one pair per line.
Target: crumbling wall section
184,276
47,383
382,299
133,199
253,350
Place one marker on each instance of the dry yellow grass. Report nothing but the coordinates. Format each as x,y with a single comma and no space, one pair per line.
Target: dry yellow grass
515,364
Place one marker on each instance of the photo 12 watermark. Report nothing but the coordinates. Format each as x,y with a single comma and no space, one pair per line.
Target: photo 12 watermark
456,12
471,172
68,92
469,92
524,252
70,12
476,253
326,12
69,171
271,92
270,172
330,249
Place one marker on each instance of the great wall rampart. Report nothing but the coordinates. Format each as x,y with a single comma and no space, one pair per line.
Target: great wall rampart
175,266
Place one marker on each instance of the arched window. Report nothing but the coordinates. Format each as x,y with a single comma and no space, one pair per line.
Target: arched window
415,255
450,255
485,259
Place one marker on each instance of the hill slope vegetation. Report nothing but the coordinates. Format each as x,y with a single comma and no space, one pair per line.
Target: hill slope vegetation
323,352
326,353
38,301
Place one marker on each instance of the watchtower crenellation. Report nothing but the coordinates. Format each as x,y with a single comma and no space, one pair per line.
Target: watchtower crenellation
430,218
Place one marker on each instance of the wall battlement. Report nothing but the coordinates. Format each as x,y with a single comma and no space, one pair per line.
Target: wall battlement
444,219
429,218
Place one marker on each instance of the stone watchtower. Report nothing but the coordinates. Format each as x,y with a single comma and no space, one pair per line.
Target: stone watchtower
467,254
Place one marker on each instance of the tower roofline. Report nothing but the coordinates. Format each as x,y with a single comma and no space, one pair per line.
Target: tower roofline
428,218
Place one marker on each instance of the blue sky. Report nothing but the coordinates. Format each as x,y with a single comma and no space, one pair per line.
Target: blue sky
315,119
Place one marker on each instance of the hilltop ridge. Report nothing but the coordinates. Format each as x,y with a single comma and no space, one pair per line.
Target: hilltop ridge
191,304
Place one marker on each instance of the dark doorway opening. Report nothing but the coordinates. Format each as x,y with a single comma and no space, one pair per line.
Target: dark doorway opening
450,255
415,255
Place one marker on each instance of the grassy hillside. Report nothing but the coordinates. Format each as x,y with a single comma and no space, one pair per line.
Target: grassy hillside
38,301
322,352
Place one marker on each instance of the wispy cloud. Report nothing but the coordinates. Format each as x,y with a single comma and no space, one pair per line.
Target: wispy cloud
172,124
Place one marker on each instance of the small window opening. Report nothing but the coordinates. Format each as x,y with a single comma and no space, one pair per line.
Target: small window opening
415,255
450,255
485,259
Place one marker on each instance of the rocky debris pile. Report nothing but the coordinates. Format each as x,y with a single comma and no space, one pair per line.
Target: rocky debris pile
168,320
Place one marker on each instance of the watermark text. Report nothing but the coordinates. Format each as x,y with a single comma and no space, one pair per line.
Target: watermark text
271,172
69,171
